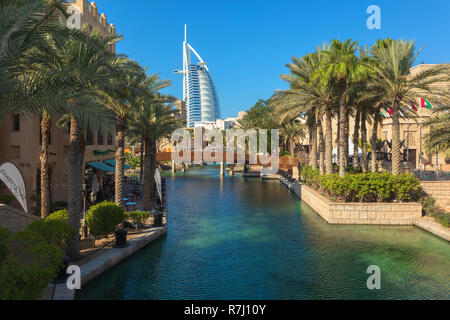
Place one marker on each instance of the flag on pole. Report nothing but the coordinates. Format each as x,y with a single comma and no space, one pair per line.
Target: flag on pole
413,106
423,102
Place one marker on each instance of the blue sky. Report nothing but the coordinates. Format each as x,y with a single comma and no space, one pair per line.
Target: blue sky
247,43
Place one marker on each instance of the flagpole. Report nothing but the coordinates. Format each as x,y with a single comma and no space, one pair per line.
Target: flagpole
420,145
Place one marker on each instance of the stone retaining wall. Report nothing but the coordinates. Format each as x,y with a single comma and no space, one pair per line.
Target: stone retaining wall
440,191
357,213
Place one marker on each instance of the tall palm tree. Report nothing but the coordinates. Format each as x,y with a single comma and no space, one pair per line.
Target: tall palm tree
85,68
121,101
154,119
25,25
303,97
342,64
392,62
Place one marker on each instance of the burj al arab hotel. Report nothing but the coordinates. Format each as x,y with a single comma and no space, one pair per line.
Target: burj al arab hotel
199,93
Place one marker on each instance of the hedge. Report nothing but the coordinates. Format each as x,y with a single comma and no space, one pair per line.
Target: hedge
61,215
30,264
364,187
137,217
56,231
103,218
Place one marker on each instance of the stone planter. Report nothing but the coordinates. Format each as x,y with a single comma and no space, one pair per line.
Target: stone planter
362,213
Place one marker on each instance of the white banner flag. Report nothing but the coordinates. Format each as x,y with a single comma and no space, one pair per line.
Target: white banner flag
158,182
13,179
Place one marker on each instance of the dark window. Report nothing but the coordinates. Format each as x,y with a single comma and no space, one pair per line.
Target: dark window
16,122
100,138
110,139
89,138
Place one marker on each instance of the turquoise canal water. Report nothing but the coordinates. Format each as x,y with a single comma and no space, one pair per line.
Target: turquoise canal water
237,238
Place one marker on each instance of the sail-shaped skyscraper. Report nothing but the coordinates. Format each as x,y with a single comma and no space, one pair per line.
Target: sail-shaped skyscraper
199,91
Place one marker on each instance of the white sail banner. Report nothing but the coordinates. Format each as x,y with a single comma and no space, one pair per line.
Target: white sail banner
158,182
13,179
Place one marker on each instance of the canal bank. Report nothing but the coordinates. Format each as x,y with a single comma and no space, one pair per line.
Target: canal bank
366,213
108,257
239,238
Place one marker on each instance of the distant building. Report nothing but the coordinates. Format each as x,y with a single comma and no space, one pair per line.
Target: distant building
199,91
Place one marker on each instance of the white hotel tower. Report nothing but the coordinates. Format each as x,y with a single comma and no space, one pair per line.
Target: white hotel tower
199,92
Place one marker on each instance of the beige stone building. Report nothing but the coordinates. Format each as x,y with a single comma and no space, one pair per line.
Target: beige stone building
410,129
20,134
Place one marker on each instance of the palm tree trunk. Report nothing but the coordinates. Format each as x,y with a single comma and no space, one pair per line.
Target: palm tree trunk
364,141
328,143
373,141
342,112
147,183
120,162
312,128
356,140
321,149
141,169
292,147
74,185
395,138
45,183
347,135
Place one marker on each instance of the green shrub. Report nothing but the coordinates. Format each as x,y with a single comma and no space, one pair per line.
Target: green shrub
61,215
103,218
364,187
137,217
6,199
31,263
56,231
404,185
4,239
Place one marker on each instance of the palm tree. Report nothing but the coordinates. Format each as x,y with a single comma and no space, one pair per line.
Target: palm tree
303,97
392,62
121,101
291,131
85,67
25,25
342,64
438,139
154,119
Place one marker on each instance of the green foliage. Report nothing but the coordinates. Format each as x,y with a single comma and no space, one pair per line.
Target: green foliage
364,187
4,238
31,263
103,218
429,208
55,231
405,185
6,199
133,161
61,215
137,216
